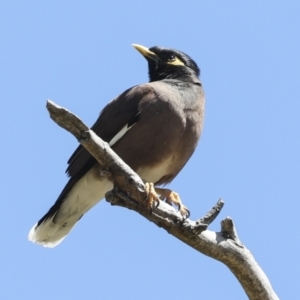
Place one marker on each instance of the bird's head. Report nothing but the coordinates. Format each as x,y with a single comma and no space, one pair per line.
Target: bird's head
167,63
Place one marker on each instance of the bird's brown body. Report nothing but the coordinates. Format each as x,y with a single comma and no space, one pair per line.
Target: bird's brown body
176,131
153,127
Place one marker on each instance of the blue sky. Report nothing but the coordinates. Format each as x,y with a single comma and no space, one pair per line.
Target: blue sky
79,55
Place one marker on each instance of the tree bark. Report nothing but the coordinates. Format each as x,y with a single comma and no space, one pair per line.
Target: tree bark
129,192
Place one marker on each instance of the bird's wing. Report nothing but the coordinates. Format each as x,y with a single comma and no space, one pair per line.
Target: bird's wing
84,189
119,114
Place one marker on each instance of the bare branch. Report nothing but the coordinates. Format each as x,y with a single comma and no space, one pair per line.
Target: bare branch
129,192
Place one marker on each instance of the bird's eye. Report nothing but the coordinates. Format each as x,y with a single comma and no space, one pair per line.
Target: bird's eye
171,58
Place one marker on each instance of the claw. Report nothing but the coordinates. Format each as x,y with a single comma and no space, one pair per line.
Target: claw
173,198
152,199
170,197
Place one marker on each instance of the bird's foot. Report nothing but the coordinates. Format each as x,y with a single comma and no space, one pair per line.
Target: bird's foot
152,199
173,198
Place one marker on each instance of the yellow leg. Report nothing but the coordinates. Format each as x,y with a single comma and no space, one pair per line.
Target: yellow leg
152,197
173,198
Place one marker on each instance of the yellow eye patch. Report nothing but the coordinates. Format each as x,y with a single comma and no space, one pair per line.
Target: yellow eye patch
176,61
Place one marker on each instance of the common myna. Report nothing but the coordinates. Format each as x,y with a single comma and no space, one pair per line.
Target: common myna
154,127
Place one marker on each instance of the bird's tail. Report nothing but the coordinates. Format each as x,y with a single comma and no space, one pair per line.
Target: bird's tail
48,234
68,209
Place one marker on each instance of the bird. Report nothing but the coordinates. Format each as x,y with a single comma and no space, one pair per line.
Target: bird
154,127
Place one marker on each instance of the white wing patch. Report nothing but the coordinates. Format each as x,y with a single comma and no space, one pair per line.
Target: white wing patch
119,134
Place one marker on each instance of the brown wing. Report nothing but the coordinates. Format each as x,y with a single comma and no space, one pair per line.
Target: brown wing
121,111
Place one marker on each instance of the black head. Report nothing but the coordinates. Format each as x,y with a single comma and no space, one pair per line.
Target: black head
167,63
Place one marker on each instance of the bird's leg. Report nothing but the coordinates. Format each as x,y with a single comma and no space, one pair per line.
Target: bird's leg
152,198
173,198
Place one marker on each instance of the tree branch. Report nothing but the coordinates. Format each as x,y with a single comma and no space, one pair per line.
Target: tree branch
129,192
